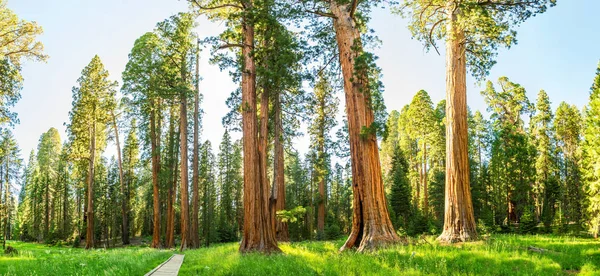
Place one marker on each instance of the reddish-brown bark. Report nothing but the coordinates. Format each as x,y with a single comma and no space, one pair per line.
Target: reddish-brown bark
155,152
171,194
195,239
371,225
184,172
258,234
459,221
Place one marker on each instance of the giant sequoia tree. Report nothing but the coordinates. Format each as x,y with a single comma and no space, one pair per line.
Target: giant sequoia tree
258,234
93,99
472,30
142,87
339,26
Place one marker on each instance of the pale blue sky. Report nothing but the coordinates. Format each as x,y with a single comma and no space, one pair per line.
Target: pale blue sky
558,51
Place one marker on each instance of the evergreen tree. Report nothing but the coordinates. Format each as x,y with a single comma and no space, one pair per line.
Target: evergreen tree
568,135
324,107
591,155
93,99
473,30
545,190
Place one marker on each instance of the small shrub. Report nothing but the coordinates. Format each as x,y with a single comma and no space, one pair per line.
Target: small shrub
527,223
10,251
333,232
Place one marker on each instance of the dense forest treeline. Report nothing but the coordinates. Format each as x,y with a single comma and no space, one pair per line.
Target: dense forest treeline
440,168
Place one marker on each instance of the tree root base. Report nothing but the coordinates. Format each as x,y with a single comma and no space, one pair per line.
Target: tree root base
452,237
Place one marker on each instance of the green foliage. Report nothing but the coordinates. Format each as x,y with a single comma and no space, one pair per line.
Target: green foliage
487,25
400,196
18,42
291,215
591,155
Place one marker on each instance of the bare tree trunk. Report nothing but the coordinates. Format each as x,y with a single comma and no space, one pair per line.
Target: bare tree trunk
257,234
425,189
47,203
195,198
418,185
184,171
459,221
278,189
321,178
170,235
89,236
124,201
6,203
371,224
155,152
65,208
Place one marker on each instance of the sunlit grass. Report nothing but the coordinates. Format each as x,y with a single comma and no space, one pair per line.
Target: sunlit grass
499,255
38,259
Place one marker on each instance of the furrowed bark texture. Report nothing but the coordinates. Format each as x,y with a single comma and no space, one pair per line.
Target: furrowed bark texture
371,224
155,151
257,233
195,197
459,221
171,194
184,172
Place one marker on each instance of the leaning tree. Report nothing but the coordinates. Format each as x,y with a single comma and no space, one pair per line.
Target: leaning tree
339,29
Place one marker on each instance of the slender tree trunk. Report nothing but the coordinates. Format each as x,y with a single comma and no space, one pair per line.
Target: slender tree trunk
6,203
65,207
89,236
184,171
47,206
195,197
257,234
155,152
425,189
171,195
124,200
459,221
371,224
418,184
278,189
321,177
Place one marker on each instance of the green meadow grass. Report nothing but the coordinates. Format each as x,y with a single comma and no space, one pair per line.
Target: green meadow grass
39,259
498,255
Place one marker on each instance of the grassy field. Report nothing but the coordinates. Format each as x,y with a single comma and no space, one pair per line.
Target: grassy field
498,255
39,259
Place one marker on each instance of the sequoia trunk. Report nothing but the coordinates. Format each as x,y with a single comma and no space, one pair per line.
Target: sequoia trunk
195,197
257,234
371,224
170,235
184,172
155,155
459,220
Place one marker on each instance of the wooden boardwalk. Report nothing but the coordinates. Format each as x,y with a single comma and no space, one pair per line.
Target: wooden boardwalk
169,268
